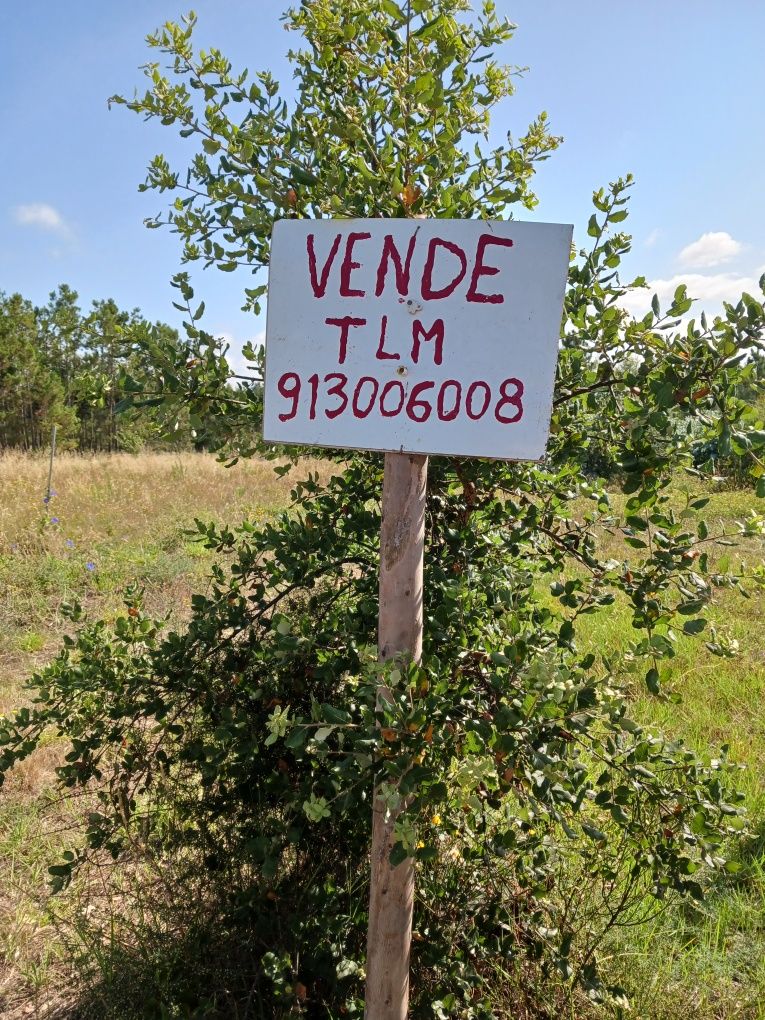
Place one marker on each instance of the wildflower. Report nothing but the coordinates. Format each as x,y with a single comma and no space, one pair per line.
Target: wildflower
69,543
436,820
54,520
90,565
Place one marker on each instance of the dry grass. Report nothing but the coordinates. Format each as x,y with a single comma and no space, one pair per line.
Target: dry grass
113,520
122,497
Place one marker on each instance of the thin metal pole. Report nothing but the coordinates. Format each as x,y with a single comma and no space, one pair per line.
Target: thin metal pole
50,466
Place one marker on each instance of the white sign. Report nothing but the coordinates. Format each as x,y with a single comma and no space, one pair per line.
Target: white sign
422,336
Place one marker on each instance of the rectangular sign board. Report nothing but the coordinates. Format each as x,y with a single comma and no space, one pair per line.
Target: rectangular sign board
416,336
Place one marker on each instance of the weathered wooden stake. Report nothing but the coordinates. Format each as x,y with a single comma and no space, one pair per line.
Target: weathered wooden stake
391,894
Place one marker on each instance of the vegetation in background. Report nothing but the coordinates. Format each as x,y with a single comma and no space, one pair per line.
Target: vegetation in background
230,761
60,366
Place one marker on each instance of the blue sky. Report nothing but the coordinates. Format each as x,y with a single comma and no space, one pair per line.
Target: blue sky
671,90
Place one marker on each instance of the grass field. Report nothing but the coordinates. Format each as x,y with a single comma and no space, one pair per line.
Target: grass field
115,520
112,521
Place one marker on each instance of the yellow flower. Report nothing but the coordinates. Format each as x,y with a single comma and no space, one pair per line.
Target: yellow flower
436,819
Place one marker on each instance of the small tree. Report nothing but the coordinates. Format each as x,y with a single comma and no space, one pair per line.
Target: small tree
246,746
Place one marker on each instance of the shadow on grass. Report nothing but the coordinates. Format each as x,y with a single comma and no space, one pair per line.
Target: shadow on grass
211,971
209,955
222,970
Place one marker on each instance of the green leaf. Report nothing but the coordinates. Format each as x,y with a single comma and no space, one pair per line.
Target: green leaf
636,522
301,176
694,626
398,854
636,543
427,30
296,737
566,632
424,83
593,833
690,608
335,715
393,10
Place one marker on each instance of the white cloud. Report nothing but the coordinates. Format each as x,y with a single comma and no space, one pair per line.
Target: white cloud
710,290
711,249
42,215
653,237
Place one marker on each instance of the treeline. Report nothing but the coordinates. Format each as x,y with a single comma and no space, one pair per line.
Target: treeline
61,365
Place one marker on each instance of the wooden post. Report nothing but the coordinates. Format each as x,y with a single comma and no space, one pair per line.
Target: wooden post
391,893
